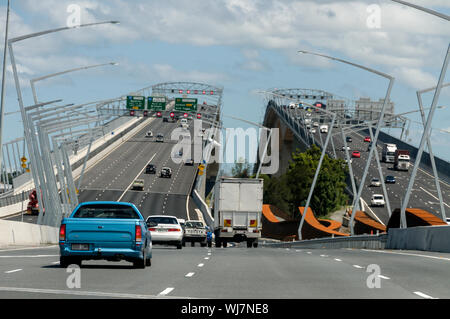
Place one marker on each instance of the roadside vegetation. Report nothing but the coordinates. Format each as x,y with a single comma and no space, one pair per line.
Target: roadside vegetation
291,189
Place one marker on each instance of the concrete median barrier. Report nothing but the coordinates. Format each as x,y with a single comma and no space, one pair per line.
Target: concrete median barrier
427,238
26,234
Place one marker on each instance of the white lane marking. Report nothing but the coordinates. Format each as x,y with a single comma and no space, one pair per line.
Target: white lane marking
323,255
140,172
206,258
432,195
11,271
77,293
337,259
28,256
357,266
383,277
200,265
421,294
28,248
190,274
408,254
308,252
166,291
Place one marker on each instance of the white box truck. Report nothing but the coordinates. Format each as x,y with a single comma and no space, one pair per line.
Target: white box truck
237,210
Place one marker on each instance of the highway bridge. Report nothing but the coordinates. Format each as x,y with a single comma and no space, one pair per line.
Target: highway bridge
235,272
294,135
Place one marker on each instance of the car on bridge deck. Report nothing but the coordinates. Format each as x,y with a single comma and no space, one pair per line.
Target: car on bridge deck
107,230
377,200
165,230
149,134
189,162
343,148
150,169
160,138
367,139
375,182
166,172
390,179
138,184
356,154
348,139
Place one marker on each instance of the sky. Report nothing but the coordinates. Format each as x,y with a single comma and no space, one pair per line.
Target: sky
244,46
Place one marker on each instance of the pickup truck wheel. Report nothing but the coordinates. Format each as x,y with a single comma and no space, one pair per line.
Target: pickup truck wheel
148,262
64,262
255,244
140,263
179,246
249,244
224,244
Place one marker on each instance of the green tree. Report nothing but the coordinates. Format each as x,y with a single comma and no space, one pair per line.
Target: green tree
329,190
242,169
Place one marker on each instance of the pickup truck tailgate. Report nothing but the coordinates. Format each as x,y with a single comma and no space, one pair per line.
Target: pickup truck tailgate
101,233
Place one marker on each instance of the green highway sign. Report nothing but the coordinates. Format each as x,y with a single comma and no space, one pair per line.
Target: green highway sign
156,103
136,102
185,104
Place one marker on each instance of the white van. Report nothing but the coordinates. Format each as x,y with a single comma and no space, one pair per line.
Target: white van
324,129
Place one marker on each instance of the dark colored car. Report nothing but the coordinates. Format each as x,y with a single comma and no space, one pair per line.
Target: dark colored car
348,139
150,169
390,179
166,172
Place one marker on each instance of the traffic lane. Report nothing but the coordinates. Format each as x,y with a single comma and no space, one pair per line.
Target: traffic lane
115,160
138,151
422,271
100,276
395,191
278,273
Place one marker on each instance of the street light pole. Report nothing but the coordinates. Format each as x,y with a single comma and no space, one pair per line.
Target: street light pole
27,132
33,81
380,120
2,103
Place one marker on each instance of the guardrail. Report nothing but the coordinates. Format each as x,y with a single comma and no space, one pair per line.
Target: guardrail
359,242
14,199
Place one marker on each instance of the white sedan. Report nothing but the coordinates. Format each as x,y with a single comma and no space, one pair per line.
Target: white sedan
377,200
165,230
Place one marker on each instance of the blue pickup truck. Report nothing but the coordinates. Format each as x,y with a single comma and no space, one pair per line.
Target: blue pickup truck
105,230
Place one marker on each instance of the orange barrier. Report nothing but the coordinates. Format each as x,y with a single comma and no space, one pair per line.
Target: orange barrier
330,224
366,225
414,217
312,228
272,227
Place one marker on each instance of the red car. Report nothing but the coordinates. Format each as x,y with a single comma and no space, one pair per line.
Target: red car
367,139
356,154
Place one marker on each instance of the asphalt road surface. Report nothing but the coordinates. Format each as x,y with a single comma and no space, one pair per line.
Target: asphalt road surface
232,273
424,194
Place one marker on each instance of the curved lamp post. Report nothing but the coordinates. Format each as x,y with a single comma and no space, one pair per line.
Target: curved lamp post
380,120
